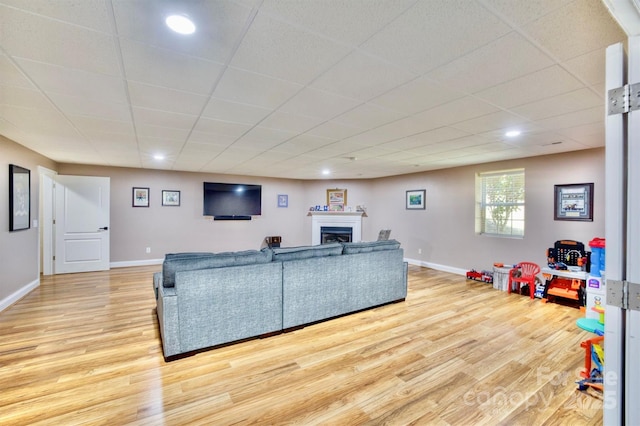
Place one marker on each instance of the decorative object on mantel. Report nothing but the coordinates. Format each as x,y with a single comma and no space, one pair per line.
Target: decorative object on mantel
415,199
336,199
573,202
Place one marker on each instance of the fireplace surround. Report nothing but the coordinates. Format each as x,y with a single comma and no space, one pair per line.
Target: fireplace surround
352,220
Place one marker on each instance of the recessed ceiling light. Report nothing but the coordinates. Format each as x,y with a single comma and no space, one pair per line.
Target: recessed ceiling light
513,133
180,24
326,172
158,157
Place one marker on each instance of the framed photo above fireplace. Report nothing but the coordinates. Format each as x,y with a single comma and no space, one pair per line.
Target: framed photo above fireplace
336,199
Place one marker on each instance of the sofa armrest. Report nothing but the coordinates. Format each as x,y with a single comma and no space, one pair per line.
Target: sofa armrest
168,321
157,282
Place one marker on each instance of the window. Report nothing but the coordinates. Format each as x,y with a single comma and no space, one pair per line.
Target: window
500,203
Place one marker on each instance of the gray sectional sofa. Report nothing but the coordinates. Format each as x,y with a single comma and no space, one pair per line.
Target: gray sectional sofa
207,299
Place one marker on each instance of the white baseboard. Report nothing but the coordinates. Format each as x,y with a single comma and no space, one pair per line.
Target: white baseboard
129,263
19,294
437,267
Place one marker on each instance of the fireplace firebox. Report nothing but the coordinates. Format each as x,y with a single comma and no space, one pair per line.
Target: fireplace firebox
336,234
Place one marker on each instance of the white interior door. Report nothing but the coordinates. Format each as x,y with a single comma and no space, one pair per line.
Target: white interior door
81,224
622,229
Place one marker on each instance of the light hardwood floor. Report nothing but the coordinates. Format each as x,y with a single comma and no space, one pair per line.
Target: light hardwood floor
85,349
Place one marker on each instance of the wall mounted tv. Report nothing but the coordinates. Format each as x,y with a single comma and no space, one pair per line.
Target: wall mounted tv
232,201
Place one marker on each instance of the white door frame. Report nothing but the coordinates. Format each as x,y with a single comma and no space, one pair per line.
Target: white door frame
45,236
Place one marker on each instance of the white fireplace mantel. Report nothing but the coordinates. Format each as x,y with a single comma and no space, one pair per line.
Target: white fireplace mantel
351,220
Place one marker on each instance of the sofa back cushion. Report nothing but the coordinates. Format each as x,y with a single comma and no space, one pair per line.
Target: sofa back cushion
281,254
175,262
369,246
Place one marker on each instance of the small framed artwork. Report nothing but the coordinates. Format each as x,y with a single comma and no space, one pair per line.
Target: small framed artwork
573,202
283,200
415,199
170,198
19,198
140,197
336,199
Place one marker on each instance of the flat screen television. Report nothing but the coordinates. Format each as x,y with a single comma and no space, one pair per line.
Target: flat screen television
232,201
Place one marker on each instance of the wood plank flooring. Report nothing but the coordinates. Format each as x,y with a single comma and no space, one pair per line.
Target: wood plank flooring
85,349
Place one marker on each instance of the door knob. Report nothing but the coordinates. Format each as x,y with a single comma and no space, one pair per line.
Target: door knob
105,228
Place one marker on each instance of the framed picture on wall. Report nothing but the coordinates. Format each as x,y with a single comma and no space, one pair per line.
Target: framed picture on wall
573,202
170,198
336,199
283,200
140,197
19,198
415,199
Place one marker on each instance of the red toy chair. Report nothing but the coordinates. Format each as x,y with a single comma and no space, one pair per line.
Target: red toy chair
527,275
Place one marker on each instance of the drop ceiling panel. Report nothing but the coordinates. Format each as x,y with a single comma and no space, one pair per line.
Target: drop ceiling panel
75,83
23,97
254,89
504,59
368,116
489,122
539,85
374,77
219,127
433,33
219,25
220,109
582,26
427,138
293,123
152,117
416,96
454,112
12,76
334,130
283,51
91,106
586,116
520,13
351,22
29,36
86,13
166,68
559,105
588,67
317,103
165,99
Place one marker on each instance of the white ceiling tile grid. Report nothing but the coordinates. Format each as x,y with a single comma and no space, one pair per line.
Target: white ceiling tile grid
287,88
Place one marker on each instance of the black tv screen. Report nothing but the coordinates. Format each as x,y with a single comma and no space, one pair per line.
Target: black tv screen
232,200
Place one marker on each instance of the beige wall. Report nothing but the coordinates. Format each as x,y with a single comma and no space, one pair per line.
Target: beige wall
444,232
18,250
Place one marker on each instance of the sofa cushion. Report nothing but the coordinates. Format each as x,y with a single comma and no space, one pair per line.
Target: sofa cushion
174,262
369,246
306,252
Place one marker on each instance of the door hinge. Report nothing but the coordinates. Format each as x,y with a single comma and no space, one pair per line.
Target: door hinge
623,99
623,294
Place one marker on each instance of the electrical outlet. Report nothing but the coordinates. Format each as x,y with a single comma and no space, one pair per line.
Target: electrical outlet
419,251
148,250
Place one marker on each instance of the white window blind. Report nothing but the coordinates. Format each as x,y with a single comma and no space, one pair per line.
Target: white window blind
500,203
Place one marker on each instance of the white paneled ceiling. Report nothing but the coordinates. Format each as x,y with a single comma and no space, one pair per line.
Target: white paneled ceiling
287,88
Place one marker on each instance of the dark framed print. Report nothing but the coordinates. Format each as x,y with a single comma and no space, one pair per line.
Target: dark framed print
19,198
573,202
283,200
140,197
415,199
170,198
